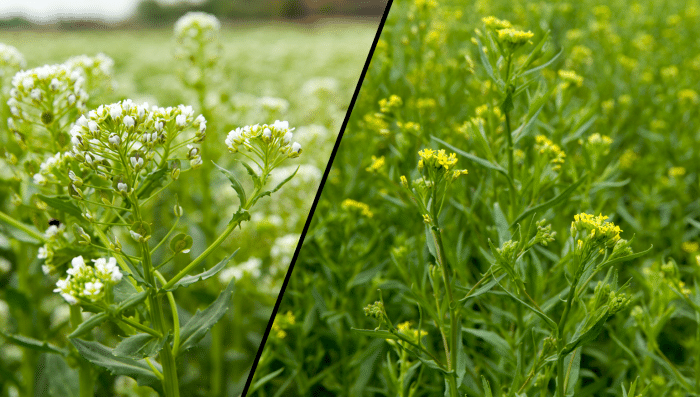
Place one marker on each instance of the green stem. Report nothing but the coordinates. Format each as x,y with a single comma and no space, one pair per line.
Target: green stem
237,219
86,381
21,226
562,325
454,320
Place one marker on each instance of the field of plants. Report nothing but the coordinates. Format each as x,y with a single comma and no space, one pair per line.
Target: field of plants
514,210
140,240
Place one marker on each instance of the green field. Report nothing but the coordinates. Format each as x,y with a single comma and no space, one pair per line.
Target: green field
497,283
309,71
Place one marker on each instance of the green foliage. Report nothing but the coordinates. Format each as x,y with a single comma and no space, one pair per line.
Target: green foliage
568,112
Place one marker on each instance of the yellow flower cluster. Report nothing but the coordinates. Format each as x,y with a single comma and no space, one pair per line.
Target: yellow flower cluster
409,126
570,77
545,146
406,329
676,171
352,204
607,232
514,37
436,159
388,104
375,122
688,95
495,23
377,164
597,139
628,159
690,246
281,323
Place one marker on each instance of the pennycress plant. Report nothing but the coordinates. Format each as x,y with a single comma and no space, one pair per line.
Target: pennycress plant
566,318
110,163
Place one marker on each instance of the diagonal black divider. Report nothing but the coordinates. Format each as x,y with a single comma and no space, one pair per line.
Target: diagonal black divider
249,381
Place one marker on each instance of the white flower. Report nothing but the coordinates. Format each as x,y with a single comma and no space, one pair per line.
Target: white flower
181,120
45,269
93,288
136,236
114,139
199,120
267,133
159,126
136,162
296,147
281,125
54,84
288,138
92,126
52,231
128,121
43,253
35,94
39,179
115,111
69,298
122,186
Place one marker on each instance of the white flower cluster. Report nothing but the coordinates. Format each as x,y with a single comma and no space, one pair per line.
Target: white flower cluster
258,138
121,140
98,70
251,267
55,239
11,61
195,25
88,283
48,170
45,93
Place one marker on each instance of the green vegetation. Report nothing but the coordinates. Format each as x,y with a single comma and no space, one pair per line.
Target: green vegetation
566,262
133,191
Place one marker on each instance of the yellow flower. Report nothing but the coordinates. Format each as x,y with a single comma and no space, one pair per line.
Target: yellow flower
545,146
688,95
388,104
377,164
607,232
404,181
690,247
676,171
495,23
628,159
570,77
515,38
349,204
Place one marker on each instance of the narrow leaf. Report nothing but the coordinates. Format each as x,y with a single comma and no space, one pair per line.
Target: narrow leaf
551,203
189,280
139,346
378,333
235,184
34,344
62,204
103,356
473,158
198,325
87,326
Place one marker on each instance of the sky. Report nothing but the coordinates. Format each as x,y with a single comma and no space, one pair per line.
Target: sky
50,10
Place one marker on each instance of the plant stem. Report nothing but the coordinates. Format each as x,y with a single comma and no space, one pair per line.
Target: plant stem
170,382
86,381
454,320
21,226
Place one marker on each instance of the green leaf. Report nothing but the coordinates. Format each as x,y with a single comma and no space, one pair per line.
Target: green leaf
483,289
544,65
132,301
104,357
62,204
501,224
487,387
538,312
626,258
87,326
278,187
485,59
499,344
139,346
588,335
260,382
473,158
189,280
62,380
253,174
123,290
198,325
34,344
235,184
376,333
572,372
551,203
535,108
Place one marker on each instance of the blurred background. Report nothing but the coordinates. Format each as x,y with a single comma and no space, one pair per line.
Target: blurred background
109,14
